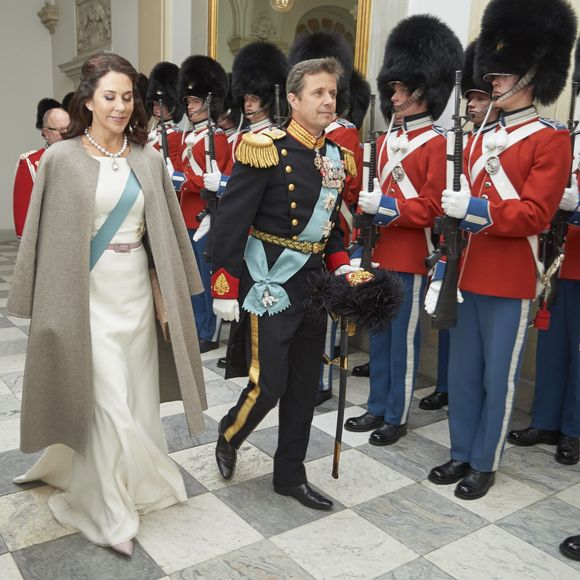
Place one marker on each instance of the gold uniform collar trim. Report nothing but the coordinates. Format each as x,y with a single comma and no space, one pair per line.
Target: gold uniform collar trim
304,137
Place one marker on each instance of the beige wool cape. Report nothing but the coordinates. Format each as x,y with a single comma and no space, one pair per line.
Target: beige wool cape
51,286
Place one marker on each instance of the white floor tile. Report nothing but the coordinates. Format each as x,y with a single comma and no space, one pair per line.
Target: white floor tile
216,353
198,530
505,497
11,333
241,381
8,568
9,434
218,411
357,390
25,518
209,375
12,363
494,553
4,390
438,432
171,408
571,495
200,462
19,321
327,423
352,487
343,545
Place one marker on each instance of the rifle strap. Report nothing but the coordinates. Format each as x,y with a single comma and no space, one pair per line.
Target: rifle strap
191,142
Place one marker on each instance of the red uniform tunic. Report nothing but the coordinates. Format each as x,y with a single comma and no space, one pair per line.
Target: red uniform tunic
402,244
194,166
498,260
174,143
23,183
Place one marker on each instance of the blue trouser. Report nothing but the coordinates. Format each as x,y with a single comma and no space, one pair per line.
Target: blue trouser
486,350
442,360
205,319
394,356
557,396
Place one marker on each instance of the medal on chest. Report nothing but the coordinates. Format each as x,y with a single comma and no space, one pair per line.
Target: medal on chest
333,174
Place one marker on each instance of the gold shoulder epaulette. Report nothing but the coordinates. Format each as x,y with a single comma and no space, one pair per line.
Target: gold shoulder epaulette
257,150
349,162
27,154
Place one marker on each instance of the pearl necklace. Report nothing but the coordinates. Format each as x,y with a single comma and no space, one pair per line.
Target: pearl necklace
113,156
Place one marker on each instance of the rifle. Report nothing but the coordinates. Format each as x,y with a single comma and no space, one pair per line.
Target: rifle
209,197
447,228
552,241
367,233
278,119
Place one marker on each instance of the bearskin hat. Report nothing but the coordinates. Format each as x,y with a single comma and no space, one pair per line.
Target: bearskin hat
43,106
421,52
325,45
257,67
163,84
200,75
360,98
519,36
469,82
231,108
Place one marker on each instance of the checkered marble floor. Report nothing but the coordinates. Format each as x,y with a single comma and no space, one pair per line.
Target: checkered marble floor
389,522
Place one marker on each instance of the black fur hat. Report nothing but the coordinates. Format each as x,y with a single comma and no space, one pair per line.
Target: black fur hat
200,75
360,98
324,45
163,84
421,52
518,36
257,67
43,106
469,82
230,106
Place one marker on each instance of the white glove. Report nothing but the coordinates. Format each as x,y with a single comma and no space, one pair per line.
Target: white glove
203,228
454,203
346,269
226,308
571,197
211,181
355,263
432,296
369,201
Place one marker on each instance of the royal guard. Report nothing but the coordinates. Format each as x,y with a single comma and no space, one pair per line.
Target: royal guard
415,82
359,100
163,103
53,121
200,75
556,409
513,183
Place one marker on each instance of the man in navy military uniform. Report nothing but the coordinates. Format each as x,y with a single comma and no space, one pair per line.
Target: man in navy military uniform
285,189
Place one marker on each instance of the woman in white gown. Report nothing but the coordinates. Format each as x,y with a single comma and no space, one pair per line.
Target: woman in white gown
123,469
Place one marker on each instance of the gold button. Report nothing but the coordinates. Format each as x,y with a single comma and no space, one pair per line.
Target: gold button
293,205
294,222
291,186
284,152
294,237
487,184
288,169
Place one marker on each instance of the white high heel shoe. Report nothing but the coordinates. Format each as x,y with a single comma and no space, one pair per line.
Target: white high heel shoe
125,548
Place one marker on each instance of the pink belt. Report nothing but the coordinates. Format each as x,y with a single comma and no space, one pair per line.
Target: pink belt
124,248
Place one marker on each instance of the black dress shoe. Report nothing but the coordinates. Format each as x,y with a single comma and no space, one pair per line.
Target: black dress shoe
225,454
221,363
362,370
570,547
434,401
366,422
450,472
568,451
207,345
532,436
305,495
387,434
323,396
475,484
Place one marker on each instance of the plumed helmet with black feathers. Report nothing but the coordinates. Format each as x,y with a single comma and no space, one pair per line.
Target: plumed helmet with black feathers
324,45
44,105
200,75
421,52
257,67
163,85
469,82
360,98
519,36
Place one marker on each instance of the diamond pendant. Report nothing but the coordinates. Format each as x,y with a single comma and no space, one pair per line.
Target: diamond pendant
115,163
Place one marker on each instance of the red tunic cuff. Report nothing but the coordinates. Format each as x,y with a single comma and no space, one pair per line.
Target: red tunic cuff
334,261
224,285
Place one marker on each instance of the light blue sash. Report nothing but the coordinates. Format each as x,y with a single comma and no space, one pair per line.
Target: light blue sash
267,294
114,220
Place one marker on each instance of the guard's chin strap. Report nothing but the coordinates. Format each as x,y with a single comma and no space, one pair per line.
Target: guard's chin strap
522,83
483,124
417,94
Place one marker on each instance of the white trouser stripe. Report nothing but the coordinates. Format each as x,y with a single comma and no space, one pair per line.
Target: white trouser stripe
511,385
411,328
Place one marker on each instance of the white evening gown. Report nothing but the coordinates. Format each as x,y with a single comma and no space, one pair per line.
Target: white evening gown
126,470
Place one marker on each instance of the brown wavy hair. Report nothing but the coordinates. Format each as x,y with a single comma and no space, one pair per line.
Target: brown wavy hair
94,68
